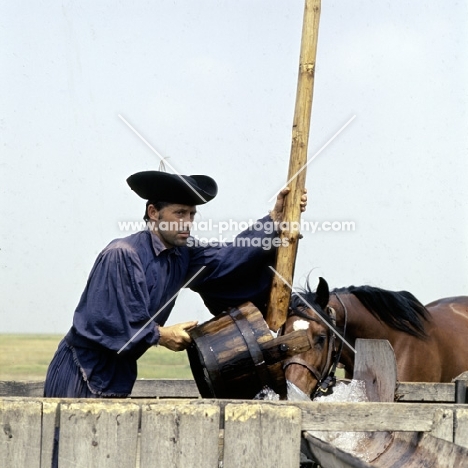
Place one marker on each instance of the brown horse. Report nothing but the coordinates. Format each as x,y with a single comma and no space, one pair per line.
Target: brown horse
430,342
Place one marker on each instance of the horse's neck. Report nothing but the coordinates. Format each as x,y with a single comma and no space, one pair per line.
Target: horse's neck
360,323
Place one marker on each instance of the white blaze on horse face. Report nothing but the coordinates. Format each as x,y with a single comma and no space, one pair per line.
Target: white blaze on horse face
300,325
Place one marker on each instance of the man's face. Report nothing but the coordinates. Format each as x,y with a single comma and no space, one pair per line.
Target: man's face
172,224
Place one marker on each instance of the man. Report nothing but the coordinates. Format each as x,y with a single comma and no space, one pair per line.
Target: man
132,287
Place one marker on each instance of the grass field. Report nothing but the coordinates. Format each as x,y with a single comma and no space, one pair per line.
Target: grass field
26,357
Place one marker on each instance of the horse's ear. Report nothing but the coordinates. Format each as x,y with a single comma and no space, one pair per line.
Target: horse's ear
322,295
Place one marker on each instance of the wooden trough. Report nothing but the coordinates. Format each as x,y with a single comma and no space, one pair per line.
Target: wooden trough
166,423
441,445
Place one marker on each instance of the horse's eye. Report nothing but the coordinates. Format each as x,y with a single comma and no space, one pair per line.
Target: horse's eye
320,340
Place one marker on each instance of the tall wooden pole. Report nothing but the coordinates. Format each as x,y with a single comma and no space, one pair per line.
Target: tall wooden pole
286,256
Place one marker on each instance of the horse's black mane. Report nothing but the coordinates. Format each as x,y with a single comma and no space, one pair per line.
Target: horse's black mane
397,309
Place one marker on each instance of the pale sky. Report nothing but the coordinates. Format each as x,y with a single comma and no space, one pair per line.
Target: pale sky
211,85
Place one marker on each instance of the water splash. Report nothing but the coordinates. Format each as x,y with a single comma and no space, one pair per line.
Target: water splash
267,394
352,442
354,391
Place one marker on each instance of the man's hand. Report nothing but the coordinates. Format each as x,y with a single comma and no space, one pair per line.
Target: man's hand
277,212
175,337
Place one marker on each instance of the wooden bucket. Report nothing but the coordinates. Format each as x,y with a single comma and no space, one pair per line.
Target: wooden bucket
234,355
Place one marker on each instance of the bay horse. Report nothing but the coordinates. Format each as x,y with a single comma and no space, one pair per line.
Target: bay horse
430,342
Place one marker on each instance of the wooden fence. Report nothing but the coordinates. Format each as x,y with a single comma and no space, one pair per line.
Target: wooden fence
201,433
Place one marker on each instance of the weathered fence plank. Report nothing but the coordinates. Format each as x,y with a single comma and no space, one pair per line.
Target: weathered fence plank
20,435
98,435
262,435
50,420
370,416
21,388
179,435
429,392
442,426
165,388
461,427
151,388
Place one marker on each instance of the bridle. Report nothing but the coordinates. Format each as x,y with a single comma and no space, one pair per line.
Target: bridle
326,376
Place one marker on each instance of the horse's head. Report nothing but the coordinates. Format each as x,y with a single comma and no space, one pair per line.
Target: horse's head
310,311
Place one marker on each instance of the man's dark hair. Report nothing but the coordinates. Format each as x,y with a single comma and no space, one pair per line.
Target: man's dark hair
159,205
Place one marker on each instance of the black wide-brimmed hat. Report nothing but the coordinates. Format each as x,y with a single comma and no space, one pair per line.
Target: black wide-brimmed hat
173,188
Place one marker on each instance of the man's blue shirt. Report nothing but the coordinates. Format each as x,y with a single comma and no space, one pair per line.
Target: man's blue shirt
136,277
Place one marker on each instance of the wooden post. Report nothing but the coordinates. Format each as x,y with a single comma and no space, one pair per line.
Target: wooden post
20,435
286,256
375,364
177,435
461,388
98,434
261,435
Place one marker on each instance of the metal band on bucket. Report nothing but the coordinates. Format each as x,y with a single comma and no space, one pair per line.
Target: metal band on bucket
253,347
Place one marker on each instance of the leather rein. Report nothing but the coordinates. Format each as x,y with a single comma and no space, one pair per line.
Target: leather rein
326,377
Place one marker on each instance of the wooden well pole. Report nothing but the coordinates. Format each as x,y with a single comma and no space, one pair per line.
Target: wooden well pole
286,256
